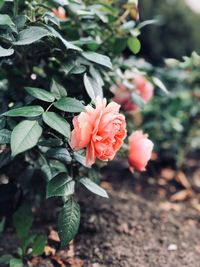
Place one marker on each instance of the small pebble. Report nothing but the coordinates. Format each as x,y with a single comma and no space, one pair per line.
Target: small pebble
172,247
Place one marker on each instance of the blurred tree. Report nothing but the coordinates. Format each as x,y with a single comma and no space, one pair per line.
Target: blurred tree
177,34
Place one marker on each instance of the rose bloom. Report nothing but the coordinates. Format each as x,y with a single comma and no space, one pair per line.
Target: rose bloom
140,150
144,87
59,12
100,130
123,95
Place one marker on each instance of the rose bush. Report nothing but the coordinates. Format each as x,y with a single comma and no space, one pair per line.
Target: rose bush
58,61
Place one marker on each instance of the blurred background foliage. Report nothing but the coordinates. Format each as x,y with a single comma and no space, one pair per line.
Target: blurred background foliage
175,35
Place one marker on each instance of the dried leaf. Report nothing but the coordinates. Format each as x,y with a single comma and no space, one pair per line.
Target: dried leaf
70,251
168,206
54,236
167,174
75,262
49,251
182,195
182,179
106,185
58,261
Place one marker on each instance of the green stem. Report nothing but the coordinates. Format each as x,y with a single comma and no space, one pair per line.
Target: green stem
49,107
15,10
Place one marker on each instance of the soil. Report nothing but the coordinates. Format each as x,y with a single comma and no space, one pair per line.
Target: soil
137,227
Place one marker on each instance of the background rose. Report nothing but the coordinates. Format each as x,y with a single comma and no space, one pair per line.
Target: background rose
100,130
143,87
140,149
123,97
123,94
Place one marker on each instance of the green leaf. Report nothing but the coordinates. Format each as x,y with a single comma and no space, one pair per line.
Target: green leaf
39,244
57,123
20,21
93,85
6,52
94,188
57,89
5,259
68,222
29,111
6,20
14,262
26,242
148,22
57,167
61,154
98,58
50,142
1,3
31,35
89,87
60,185
22,220
137,100
134,44
40,94
2,122
80,158
69,104
25,136
5,136
160,84
67,44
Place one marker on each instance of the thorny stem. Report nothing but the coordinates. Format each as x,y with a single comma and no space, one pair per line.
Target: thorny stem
49,107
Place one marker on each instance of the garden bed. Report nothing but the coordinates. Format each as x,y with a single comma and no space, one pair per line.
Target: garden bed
137,227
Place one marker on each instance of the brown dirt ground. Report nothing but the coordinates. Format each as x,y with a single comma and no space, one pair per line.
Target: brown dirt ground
136,227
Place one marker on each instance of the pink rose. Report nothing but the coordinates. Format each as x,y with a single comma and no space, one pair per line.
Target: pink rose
59,12
100,130
123,95
144,87
140,150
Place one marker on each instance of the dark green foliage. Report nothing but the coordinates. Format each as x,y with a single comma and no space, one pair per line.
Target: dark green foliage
176,34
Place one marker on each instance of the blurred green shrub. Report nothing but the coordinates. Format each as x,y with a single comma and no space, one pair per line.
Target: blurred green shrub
173,121
177,33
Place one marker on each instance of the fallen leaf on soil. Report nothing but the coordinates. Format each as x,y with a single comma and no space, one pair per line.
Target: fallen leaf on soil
58,261
167,206
53,235
196,178
96,265
195,204
182,195
49,251
123,228
182,179
70,251
162,181
75,262
106,185
197,248
167,174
